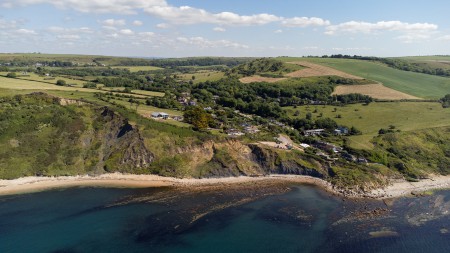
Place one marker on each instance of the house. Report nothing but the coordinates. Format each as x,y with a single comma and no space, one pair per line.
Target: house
362,160
348,157
328,147
314,132
234,133
160,115
341,131
304,145
182,100
178,118
251,129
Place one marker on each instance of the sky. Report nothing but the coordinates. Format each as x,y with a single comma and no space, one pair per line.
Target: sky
259,28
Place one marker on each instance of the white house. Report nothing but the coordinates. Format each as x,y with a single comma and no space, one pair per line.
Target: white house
160,115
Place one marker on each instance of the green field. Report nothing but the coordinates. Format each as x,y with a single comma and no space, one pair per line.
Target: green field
20,84
428,62
416,84
16,83
138,68
202,76
148,93
146,111
405,116
425,58
51,80
78,59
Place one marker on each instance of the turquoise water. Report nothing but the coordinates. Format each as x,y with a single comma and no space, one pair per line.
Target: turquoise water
300,219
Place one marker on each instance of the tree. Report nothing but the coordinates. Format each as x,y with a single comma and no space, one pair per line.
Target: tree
308,116
446,101
11,75
61,82
355,131
198,117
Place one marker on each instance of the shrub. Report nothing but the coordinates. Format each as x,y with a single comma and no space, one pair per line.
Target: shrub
11,75
61,82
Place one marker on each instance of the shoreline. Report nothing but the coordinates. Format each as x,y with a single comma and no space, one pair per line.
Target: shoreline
399,188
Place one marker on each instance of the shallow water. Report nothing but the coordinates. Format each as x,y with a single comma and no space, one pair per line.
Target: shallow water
293,218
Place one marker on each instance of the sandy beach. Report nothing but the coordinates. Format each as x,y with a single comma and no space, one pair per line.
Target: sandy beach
118,180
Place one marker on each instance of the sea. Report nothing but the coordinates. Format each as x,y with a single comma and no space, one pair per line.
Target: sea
251,218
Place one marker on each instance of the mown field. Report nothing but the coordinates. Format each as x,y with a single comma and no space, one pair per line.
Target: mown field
202,76
45,79
138,68
17,83
416,84
404,116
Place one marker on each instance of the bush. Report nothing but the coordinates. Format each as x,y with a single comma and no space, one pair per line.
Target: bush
90,85
11,75
61,82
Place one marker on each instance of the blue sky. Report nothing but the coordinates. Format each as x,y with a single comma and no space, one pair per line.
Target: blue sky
178,28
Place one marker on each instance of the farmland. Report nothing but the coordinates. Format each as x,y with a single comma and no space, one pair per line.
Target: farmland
317,70
376,90
416,84
405,116
138,68
201,76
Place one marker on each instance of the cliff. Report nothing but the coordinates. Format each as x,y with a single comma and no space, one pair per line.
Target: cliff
40,135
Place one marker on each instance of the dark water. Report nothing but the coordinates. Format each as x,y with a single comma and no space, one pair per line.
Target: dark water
289,218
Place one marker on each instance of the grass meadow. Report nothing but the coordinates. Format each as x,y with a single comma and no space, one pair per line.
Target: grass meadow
416,84
404,116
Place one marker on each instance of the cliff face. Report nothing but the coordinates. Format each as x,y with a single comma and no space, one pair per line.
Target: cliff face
40,135
122,146
44,135
233,158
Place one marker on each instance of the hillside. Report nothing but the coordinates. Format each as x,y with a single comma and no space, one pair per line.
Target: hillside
416,84
217,126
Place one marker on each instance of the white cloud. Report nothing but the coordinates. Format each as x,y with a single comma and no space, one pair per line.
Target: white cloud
60,30
304,22
219,29
126,32
8,24
113,22
444,38
190,15
311,48
68,37
351,48
26,32
365,27
205,43
278,31
137,23
162,26
95,6
414,37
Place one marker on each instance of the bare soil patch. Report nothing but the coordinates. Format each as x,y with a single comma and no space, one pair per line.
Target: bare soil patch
318,70
376,90
256,78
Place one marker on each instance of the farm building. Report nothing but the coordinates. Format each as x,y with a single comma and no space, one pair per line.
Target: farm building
160,115
341,131
314,132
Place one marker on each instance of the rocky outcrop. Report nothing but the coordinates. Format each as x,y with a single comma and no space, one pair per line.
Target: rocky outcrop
233,158
123,146
273,163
